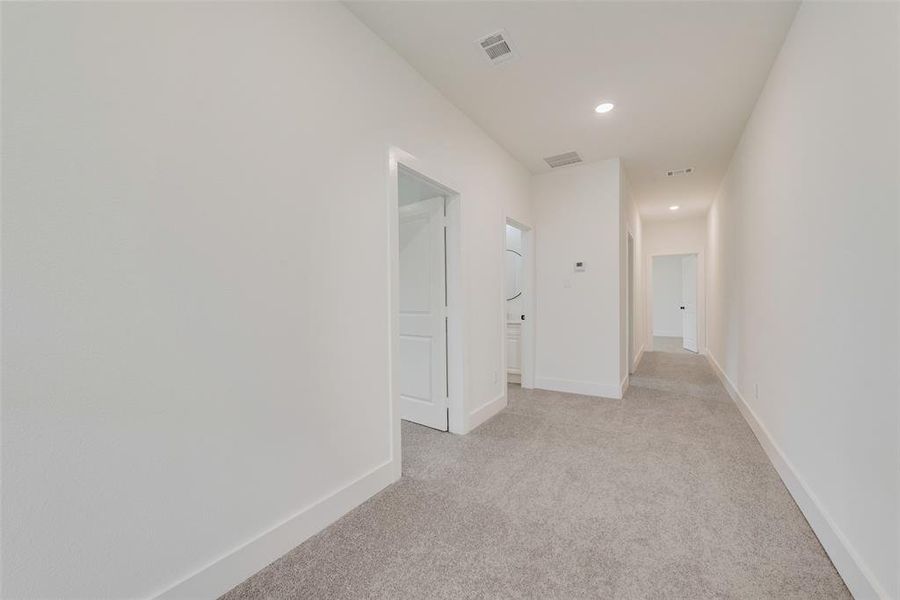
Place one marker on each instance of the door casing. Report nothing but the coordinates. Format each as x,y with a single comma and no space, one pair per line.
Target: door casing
456,377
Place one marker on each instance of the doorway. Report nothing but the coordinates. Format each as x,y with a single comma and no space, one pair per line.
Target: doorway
425,265
629,304
673,301
518,304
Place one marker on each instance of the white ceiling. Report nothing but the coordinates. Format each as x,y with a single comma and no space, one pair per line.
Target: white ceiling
684,77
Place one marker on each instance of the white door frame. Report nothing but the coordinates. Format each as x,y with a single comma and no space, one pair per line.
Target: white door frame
700,283
527,366
629,304
399,159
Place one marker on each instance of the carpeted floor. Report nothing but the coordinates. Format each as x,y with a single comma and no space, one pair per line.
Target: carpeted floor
665,494
669,344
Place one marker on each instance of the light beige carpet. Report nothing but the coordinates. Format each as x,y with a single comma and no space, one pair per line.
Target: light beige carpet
669,344
664,494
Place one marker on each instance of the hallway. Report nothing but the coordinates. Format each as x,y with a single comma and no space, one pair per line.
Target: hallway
242,241
665,494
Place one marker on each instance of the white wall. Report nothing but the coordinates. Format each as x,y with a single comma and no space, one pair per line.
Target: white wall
803,281
576,212
667,289
194,202
679,236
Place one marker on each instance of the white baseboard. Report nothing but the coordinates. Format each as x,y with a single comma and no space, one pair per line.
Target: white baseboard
486,411
227,571
846,559
624,385
667,334
585,388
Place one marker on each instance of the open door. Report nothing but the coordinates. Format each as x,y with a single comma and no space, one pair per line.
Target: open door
689,302
423,314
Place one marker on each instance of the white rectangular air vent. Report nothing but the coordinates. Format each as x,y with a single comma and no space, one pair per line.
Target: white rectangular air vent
496,47
561,160
680,172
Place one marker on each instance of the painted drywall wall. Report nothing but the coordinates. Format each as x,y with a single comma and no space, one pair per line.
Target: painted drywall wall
189,227
576,212
666,275
683,236
668,237
803,281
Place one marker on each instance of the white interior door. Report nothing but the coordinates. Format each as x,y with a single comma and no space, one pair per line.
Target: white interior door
423,314
514,352
689,302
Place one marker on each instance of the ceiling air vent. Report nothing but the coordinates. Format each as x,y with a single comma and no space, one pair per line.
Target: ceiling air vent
561,160
496,47
680,172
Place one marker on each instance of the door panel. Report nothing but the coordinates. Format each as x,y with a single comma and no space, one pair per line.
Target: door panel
689,302
423,333
415,367
513,352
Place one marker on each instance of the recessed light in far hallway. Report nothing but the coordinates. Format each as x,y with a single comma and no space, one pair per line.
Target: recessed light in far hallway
605,107
674,207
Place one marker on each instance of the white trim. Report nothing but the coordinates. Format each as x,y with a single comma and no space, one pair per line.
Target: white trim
486,411
585,388
849,564
630,335
456,321
624,385
225,572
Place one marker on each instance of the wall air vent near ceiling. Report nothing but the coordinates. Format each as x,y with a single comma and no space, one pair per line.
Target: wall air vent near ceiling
561,160
680,172
496,47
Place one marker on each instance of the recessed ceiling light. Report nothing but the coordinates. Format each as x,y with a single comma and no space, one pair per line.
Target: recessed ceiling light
605,107
674,207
